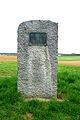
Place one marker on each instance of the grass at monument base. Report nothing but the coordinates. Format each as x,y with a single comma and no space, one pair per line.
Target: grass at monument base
13,107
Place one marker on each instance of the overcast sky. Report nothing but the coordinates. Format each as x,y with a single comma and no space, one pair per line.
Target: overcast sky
65,12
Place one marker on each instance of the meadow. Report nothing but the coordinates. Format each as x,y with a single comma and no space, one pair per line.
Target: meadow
66,107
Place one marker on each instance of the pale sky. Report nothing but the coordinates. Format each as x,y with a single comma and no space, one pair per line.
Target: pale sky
65,12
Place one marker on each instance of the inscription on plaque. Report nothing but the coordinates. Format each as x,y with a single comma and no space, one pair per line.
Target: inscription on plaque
37,39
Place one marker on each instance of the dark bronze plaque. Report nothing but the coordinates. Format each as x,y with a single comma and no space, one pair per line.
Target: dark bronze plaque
37,38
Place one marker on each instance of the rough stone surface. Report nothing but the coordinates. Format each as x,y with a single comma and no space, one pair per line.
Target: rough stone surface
37,65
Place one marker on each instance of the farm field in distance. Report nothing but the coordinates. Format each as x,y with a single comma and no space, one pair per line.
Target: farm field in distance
66,60
7,58
66,107
69,60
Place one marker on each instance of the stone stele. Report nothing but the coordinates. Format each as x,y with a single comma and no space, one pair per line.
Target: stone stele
37,59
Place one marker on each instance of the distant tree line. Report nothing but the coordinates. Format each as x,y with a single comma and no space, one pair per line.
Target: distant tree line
59,54
72,54
12,54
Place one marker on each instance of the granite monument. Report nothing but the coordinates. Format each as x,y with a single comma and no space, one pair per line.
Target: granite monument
37,58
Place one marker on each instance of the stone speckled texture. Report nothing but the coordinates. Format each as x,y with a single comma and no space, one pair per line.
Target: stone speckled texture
37,65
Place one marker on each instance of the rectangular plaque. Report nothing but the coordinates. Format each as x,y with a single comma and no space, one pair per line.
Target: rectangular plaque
37,38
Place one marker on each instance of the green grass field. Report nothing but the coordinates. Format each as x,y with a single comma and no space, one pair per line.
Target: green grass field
13,107
69,58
